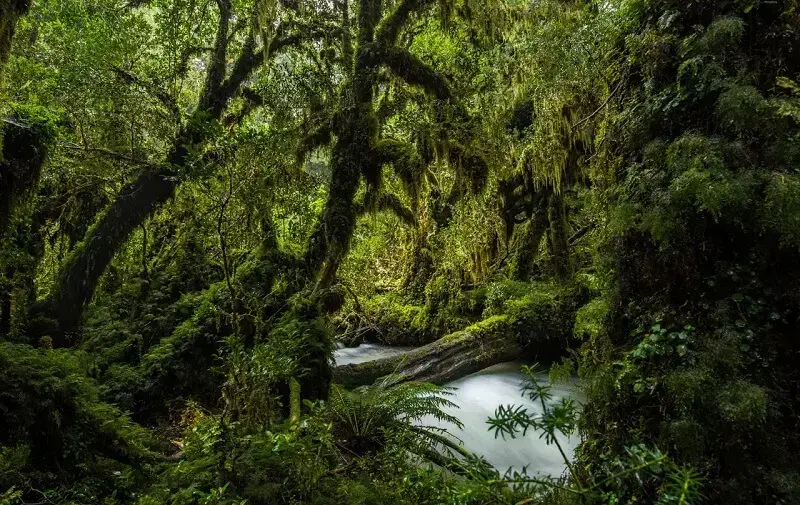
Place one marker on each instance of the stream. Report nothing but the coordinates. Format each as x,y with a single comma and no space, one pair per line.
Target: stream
477,396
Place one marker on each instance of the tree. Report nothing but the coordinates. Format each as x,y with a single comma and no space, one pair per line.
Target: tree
358,151
156,183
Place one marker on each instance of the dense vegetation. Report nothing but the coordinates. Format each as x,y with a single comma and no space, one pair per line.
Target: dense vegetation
199,200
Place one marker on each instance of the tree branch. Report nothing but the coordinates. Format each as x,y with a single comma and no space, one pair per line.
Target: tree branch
602,106
404,159
392,203
165,98
389,30
108,153
210,99
412,70
320,136
252,100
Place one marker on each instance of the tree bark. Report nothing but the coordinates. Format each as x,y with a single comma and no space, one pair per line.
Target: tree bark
559,237
10,12
449,358
82,271
533,232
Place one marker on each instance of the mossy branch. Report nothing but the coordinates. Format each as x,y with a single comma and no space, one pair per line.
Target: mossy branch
319,137
165,98
216,66
412,70
392,203
389,30
406,162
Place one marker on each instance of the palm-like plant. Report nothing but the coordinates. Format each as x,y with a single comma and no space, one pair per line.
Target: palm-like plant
367,416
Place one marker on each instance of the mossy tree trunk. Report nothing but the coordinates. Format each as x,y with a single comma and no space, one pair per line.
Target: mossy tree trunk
358,151
449,358
558,237
538,326
25,147
80,274
5,303
10,12
531,237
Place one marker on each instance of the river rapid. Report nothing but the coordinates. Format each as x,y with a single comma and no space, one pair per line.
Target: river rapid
477,396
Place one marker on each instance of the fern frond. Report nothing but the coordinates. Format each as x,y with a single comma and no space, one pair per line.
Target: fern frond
367,414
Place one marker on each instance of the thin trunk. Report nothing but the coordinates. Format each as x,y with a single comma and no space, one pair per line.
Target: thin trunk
421,267
5,303
559,238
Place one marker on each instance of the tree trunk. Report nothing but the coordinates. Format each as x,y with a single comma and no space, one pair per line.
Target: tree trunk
10,12
537,326
456,355
5,303
24,151
532,234
421,267
154,186
82,270
559,237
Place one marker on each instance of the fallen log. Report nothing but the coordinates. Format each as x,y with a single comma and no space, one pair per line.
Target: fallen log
538,326
461,353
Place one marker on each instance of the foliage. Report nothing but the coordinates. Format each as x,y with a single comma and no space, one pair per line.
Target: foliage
366,416
198,198
57,437
618,481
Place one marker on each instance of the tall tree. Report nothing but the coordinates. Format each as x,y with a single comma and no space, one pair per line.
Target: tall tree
358,151
156,184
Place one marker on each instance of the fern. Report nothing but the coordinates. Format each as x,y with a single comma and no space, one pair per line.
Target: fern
366,416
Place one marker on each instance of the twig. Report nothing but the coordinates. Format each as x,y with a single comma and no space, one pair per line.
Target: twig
107,152
603,106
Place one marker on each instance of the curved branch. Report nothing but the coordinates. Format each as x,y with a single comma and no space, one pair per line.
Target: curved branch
405,160
165,98
252,100
412,70
392,203
319,137
389,30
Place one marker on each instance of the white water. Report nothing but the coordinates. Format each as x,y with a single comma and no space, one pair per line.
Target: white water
477,396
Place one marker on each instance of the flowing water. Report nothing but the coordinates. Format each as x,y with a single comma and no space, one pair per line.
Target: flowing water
477,396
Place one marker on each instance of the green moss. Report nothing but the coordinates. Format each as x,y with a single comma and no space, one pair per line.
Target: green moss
489,326
592,319
500,292
743,405
394,321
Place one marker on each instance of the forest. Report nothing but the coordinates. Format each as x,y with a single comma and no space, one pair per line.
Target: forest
379,252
